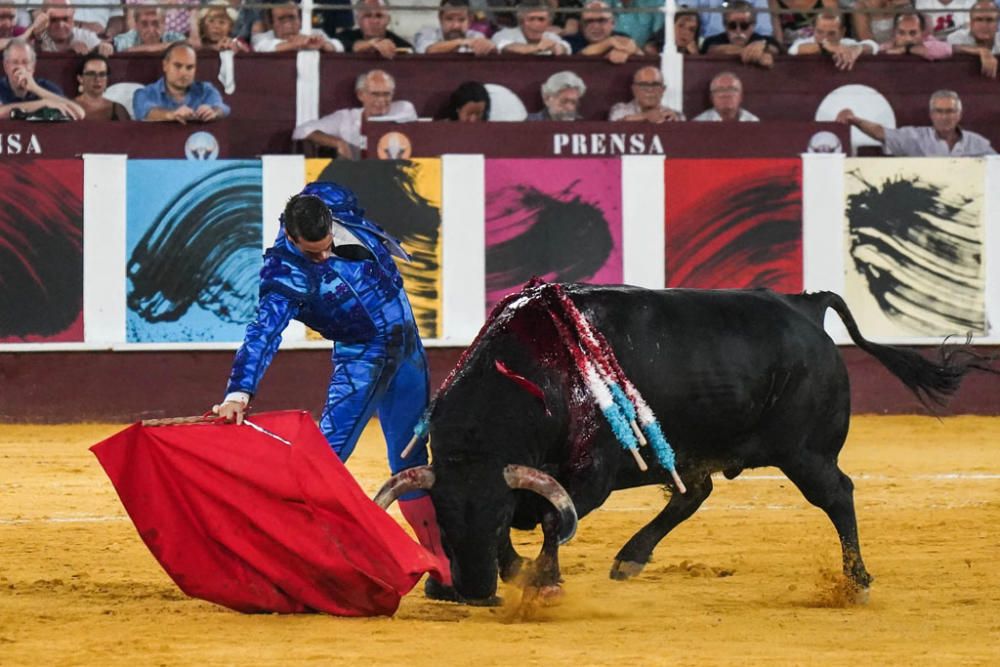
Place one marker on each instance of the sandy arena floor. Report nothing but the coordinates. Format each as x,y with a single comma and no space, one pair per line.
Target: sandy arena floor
750,579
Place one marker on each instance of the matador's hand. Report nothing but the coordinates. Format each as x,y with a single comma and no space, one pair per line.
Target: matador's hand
231,411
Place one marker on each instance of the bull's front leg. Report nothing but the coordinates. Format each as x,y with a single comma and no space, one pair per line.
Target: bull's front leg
637,551
544,578
510,563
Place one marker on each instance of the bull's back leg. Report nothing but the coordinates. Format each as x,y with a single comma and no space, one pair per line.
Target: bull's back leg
637,551
824,485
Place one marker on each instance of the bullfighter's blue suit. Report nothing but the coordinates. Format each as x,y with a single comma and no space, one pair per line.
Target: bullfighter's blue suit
378,360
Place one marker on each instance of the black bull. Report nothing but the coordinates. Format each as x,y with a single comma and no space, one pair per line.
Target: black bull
738,379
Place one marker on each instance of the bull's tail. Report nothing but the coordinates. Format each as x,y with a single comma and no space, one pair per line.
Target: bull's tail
931,382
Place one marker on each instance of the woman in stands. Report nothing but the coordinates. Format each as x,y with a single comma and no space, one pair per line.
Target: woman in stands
215,29
470,103
92,77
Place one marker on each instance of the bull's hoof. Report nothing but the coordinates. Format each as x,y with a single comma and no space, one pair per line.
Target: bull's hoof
514,568
492,601
861,596
435,590
625,569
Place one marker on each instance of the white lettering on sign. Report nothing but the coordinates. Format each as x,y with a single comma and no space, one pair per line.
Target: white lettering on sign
606,143
16,144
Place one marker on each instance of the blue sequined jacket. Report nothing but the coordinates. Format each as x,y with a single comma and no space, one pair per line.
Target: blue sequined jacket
343,300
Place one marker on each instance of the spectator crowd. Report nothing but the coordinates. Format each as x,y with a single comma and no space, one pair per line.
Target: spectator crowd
750,33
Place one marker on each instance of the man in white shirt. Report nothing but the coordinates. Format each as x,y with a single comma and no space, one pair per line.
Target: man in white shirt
452,35
532,35
341,130
285,34
726,91
828,37
61,36
943,139
980,38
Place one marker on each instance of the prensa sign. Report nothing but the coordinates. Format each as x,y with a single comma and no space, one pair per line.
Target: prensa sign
15,143
606,143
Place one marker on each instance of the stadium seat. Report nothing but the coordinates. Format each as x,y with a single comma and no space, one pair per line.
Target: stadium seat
122,94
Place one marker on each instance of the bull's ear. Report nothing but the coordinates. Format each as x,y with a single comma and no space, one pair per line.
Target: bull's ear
533,479
411,479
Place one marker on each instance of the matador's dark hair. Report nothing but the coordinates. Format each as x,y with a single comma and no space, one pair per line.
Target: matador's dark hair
307,218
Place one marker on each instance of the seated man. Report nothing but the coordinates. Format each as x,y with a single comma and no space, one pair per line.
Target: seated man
62,37
980,38
176,96
453,34
532,35
20,91
943,139
828,38
726,91
598,36
739,38
910,37
341,130
372,34
713,23
148,35
561,94
285,33
647,99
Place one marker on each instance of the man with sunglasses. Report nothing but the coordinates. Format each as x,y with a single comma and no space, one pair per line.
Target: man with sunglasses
944,138
598,37
980,38
712,23
61,35
740,38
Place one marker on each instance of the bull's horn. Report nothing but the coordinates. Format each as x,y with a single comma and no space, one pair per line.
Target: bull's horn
533,479
411,479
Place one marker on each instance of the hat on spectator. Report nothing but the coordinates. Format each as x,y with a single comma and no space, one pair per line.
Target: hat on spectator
215,4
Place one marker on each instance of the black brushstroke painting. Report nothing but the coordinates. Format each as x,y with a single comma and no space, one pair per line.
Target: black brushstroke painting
387,190
920,252
558,235
202,248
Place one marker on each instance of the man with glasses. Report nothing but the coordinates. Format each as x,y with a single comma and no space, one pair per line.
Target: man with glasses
532,36
712,23
561,94
340,132
726,91
740,38
980,38
598,36
943,139
285,21
148,35
61,35
647,100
